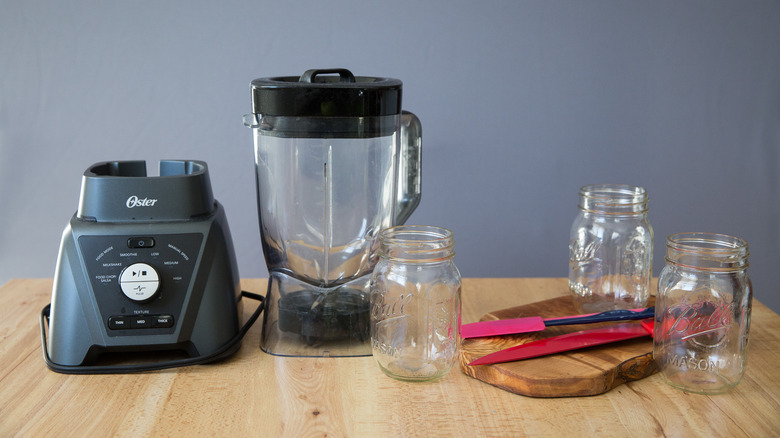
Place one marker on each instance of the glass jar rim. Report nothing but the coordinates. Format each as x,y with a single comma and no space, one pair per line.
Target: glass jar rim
707,251
707,243
417,242
415,234
623,194
613,199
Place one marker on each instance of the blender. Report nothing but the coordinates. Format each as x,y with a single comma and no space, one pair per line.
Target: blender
336,161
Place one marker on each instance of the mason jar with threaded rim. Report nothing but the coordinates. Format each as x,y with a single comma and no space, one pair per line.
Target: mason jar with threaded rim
611,249
415,303
702,313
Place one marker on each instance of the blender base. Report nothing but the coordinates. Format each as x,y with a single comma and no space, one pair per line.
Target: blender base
311,321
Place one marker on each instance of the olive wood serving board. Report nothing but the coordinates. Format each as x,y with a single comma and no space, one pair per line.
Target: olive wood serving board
588,371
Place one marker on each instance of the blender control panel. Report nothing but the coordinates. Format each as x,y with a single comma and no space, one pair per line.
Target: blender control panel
140,281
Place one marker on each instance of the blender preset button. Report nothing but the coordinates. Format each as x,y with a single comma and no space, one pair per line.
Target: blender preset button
124,322
139,282
141,321
162,321
118,322
140,242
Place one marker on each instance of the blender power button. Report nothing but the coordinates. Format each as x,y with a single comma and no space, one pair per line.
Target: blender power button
140,242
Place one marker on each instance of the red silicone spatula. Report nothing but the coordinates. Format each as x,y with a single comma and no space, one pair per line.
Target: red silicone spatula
568,342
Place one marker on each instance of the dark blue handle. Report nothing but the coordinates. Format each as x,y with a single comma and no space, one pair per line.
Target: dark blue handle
609,315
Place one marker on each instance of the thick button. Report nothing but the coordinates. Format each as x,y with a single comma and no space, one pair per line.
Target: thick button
163,321
118,323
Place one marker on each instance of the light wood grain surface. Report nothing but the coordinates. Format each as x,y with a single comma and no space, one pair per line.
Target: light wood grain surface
254,394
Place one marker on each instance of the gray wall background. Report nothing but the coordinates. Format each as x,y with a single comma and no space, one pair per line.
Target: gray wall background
522,102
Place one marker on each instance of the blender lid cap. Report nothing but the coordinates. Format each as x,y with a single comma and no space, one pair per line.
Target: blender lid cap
326,93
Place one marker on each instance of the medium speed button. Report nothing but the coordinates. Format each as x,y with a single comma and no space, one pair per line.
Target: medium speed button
139,282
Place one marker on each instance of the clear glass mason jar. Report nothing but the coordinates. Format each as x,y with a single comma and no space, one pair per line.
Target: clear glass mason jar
611,249
415,303
702,312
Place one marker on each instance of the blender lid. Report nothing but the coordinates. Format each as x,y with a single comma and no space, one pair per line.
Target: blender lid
326,93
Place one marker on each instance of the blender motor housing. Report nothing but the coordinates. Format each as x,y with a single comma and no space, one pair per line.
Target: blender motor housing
145,264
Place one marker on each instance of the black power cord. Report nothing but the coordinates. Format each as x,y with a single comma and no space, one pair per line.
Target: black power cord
223,352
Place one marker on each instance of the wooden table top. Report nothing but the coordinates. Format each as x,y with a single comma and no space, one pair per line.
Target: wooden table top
255,394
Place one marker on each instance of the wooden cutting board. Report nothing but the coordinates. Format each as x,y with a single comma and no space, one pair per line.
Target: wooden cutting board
589,371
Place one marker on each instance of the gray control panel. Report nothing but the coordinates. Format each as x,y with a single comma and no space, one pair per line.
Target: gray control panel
140,281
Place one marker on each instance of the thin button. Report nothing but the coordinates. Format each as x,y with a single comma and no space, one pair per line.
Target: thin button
118,322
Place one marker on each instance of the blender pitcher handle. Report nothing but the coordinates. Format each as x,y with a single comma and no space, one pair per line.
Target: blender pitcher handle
409,167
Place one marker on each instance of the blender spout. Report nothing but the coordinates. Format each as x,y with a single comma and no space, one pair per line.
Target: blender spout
252,120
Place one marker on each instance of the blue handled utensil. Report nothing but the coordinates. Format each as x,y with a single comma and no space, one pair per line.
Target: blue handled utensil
536,323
